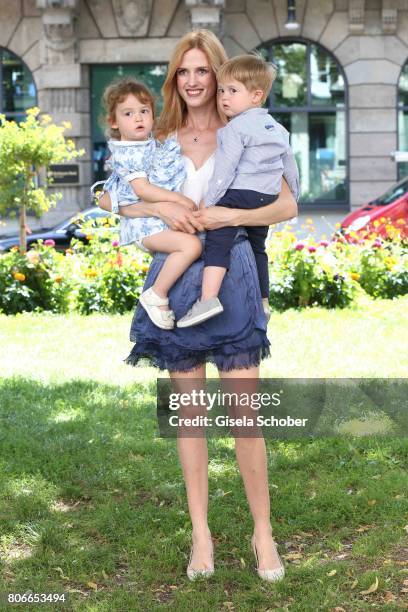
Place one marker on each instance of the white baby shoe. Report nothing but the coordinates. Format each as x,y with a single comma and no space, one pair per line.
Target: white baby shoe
151,302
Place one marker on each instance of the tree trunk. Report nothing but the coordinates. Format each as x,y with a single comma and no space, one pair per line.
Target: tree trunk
23,231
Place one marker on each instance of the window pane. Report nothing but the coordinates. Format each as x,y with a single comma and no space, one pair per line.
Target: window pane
290,87
152,75
326,81
318,143
403,87
402,141
18,89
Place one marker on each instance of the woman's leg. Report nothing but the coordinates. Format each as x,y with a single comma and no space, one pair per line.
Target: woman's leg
183,249
192,449
252,462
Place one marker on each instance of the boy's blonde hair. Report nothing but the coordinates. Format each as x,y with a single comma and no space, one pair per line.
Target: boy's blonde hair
251,70
116,93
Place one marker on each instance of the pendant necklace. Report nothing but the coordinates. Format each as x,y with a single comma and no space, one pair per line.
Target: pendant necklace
197,138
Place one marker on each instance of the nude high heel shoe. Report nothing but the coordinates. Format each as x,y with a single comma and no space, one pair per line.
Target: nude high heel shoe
270,575
192,574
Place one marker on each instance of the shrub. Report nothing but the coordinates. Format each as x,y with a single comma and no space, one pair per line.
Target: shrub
384,270
307,274
35,280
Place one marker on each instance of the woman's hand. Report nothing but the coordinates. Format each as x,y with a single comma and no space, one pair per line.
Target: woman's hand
283,208
179,217
215,217
187,202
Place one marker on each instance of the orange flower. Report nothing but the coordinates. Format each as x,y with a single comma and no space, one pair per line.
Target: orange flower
19,276
355,276
58,279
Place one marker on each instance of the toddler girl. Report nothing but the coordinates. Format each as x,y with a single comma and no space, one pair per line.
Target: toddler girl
145,169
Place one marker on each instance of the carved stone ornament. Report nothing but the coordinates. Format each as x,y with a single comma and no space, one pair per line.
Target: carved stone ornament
132,16
58,45
207,14
356,16
57,4
389,15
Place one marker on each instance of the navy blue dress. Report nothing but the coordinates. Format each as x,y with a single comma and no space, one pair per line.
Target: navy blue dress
235,339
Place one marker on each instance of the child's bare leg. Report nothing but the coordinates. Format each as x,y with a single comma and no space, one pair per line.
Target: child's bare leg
183,249
212,281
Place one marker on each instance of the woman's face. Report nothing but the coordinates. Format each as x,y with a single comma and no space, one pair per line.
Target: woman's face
196,82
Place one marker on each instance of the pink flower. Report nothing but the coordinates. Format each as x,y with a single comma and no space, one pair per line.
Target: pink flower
299,246
324,243
50,242
312,249
115,243
377,244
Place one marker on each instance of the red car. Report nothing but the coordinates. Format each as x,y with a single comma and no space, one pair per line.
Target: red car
384,215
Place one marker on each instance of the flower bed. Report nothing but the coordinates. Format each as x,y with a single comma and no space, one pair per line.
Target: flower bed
101,277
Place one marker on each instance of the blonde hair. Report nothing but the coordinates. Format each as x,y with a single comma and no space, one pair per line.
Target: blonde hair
116,93
174,114
251,70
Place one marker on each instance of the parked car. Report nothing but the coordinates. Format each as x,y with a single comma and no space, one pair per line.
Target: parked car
391,208
63,233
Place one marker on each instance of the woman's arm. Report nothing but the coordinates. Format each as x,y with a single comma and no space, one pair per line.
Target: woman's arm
175,215
283,208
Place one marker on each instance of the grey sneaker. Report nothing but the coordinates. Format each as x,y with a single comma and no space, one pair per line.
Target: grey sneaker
201,311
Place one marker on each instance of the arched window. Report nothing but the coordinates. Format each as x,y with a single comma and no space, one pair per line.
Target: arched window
309,98
403,119
17,91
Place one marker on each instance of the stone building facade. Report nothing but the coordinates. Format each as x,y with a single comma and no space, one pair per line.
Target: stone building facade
62,42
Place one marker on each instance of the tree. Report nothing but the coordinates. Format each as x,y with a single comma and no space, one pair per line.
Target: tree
27,148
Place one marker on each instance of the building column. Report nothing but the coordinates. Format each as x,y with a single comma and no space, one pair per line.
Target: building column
63,93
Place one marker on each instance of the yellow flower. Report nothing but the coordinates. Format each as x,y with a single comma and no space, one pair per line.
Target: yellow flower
14,249
400,221
376,223
19,276
89,237
355,276
309,221
337,225
91,273
58,279
382,219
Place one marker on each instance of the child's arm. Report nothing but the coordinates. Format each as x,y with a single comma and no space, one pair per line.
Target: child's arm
230,147
151,193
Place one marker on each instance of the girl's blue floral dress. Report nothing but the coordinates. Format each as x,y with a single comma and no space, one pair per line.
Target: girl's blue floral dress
162,164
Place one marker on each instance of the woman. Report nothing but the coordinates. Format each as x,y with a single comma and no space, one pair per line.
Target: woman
236,340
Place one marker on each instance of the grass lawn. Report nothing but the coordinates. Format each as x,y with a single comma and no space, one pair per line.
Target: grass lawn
92,502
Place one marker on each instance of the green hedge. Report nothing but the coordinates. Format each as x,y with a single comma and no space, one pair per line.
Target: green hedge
101,277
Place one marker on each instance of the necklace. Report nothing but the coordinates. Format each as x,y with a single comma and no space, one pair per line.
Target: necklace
200,132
